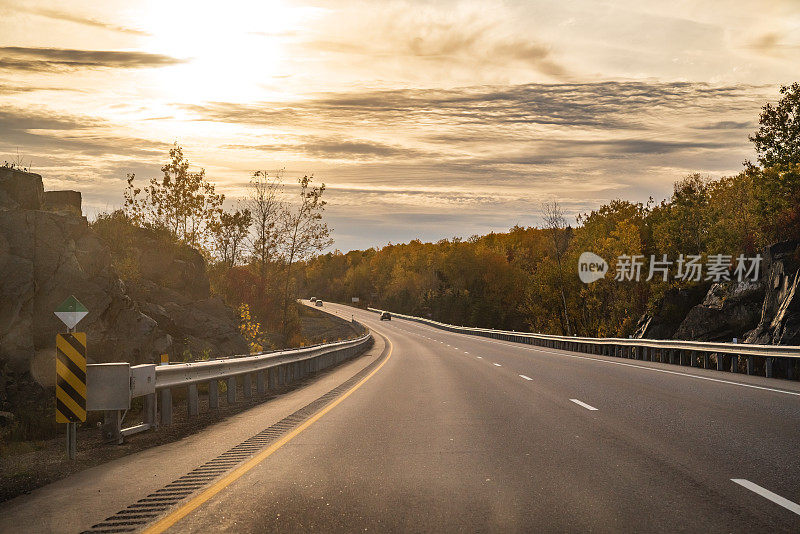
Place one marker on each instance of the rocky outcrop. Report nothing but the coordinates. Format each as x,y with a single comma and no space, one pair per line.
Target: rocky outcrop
48,251
728,311
62,201
19,189
668,314
763,312
779,322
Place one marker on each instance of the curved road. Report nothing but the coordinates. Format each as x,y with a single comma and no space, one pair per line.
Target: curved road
464,434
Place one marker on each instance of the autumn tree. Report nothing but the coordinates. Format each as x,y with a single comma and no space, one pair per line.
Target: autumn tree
229,233
302,232
182,202
777,141
777,144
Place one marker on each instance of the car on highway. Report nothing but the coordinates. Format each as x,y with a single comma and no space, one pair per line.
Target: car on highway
386,316
318,302
313,299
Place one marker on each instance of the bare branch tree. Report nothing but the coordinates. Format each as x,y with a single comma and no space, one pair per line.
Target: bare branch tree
265,207
556,224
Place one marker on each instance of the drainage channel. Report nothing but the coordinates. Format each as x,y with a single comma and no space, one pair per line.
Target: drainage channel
147,509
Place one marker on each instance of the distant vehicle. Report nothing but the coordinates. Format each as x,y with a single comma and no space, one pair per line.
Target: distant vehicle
313,299
318,302
386,316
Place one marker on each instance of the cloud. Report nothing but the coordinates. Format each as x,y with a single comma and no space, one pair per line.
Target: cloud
600,105
430,41
727,125
66,59
84,21
43,134
772,44
337,148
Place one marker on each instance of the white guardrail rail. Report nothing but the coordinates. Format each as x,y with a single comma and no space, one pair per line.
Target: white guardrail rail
110,387
733,357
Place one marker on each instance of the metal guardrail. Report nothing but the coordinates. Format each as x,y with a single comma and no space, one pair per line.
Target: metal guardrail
733,357
271,370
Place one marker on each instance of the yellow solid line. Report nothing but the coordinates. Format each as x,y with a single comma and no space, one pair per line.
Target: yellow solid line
223,483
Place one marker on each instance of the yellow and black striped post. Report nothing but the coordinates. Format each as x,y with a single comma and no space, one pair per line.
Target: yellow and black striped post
71,385
71,377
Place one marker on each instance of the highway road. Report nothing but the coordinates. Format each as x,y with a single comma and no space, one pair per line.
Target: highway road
464,434
454,433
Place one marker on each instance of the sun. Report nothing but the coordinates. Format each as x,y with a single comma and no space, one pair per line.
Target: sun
232,51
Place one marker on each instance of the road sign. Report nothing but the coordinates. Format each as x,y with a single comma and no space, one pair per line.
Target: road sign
71,311
355,299
71,377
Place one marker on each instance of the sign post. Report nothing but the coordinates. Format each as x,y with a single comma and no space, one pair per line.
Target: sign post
71,371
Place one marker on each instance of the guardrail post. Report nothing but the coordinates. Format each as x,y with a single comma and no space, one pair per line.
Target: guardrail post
768,366
720,362
272,377
734,363
232,390
672,357
112,426
706,360
150,416
247,385
261,388
192,401
692,358
166,407
213,394
751,365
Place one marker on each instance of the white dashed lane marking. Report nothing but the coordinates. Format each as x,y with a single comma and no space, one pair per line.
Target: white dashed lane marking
579,403
767,494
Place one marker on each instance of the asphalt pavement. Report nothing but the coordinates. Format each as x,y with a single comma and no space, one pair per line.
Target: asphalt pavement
447,432
464,434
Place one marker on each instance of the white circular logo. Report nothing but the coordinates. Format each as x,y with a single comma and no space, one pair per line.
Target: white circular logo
591,267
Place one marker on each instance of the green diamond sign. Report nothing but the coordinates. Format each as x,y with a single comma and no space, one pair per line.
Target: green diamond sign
71,311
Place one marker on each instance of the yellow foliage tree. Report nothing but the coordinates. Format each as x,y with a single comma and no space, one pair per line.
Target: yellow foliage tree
249,329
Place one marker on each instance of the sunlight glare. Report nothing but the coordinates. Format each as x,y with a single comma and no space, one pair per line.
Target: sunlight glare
232,49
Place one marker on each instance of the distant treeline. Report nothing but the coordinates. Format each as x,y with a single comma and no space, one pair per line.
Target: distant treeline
527,278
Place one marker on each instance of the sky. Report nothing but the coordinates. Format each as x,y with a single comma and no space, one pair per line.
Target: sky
425,119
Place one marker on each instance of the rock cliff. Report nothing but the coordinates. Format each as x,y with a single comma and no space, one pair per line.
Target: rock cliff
48,251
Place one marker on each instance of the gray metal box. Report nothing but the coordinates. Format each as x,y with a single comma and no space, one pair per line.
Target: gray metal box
108,386
143,380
